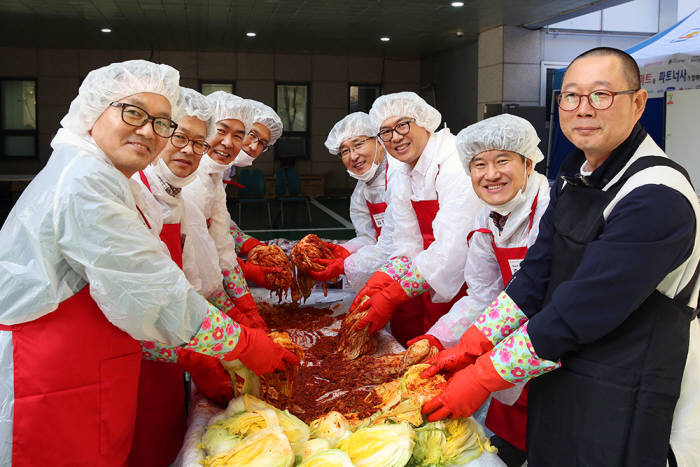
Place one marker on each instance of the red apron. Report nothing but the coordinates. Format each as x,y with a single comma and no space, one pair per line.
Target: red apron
75,380
161,420
376,211
509,421
417,315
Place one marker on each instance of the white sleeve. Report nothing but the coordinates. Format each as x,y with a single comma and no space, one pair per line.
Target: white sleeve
219,229
200,260
405,221
484,281
135,283
443,261
365,233
360,265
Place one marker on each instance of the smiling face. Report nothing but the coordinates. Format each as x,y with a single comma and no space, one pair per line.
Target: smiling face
131,148
598,132
257,139
498,175
409,147
183,161
362,153
228,140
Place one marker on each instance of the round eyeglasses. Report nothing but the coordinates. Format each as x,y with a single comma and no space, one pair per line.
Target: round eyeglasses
255,139
599,99
180,140
356,146
135,116
401,128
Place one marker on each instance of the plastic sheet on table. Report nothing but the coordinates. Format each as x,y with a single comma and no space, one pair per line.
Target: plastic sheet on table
201,410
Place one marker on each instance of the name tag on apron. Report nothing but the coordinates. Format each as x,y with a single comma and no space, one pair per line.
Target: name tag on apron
514,265
378,219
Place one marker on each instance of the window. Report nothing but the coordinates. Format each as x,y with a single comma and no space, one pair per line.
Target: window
361,97
547,70
636,16
292,104
18,117
207,87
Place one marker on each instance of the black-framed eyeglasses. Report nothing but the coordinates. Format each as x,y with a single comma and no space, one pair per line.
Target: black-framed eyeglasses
180,140
256,139
135,116
356,146
401,128
600,99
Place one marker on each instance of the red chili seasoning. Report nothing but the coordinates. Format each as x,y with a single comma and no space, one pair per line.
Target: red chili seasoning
325,380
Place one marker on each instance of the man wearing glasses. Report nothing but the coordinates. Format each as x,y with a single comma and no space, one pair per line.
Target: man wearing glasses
433,207
233,116
353,141
266,130
599,314
161,418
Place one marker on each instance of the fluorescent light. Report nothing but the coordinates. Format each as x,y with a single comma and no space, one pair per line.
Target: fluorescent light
385,39
457,4
106,30
250,34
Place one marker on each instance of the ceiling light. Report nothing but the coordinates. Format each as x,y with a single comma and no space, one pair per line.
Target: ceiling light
106,30
385,39
457,4
250,34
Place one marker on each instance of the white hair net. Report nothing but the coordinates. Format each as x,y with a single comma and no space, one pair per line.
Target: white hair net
404,104
227,106
114,82
196,105
505,132
351,126
264,115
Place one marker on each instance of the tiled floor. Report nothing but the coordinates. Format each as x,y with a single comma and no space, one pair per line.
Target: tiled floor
254,219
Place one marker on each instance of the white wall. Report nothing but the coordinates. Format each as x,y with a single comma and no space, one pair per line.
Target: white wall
634,16
686,7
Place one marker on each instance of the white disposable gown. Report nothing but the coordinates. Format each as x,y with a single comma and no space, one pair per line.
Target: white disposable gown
438,174
368,254
200,260
207,193
482,272
373,191
77,223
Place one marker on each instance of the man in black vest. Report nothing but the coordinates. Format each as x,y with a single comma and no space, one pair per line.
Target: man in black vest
598,316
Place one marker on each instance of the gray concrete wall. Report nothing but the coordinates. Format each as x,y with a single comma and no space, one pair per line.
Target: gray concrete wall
451,77
509,67
59,72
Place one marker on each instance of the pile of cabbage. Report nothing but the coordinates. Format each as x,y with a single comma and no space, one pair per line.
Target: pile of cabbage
266,436
252,432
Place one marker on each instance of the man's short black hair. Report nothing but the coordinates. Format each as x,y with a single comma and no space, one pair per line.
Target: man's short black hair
629,66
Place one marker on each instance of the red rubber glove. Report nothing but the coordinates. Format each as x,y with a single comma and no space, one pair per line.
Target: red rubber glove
432,340
381,306
238,316
466,391
249,245
257,351
256,274
208,375
337,250
471,346
334,268
379,281
247,305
